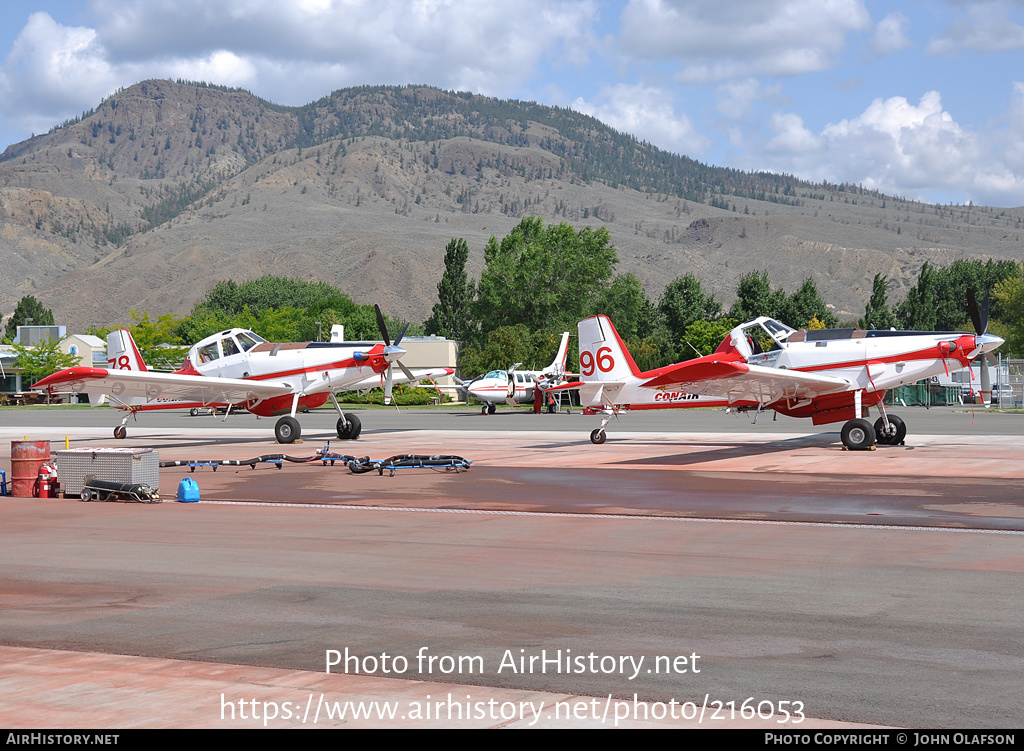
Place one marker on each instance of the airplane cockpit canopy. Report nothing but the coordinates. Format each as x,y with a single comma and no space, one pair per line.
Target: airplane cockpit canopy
760,336
497,374
225,344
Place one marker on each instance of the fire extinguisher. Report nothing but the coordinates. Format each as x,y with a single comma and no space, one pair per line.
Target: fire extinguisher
46,482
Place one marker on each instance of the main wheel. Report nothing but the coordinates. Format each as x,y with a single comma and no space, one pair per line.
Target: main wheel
492,408
483,410
287,430
894,435
353,428
858,435
86,494
120,432
194,412
598,436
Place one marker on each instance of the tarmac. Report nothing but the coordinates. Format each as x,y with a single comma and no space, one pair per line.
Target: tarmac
871,589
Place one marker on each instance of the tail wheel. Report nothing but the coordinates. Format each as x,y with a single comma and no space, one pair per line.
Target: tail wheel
598,436
895,434
120,432
858,435
287,430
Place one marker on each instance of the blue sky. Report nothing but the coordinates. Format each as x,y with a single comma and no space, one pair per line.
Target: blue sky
919,98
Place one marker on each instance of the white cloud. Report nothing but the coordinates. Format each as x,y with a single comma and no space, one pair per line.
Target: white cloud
52,71
987,28
647,113
717,41
737,98
906,149
290,53
890,34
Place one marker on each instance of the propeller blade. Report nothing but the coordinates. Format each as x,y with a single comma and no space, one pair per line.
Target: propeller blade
979,317
407,372
404,329
381,326
389,384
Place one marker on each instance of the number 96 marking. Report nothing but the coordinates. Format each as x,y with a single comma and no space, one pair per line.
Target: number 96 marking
605,362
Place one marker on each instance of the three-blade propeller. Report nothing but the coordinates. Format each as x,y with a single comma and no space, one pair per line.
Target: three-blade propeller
392,353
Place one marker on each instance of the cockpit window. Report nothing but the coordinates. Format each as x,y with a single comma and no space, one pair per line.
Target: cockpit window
496,374
228,345
247,340
209,353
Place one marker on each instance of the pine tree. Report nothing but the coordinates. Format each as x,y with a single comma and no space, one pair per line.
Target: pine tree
29,308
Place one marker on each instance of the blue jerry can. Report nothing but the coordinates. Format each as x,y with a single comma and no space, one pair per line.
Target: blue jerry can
188,491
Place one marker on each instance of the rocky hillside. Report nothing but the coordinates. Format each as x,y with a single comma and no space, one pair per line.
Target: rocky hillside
167,188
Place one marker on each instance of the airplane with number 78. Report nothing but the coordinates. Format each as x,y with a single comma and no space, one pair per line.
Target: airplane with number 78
829,375
238,368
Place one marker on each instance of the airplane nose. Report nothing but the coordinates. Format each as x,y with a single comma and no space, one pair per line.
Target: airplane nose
988,342
393,353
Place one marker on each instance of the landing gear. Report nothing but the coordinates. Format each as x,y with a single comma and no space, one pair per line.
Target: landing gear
483,410
892,435
598,436
858,435
349,427
194,412
120,432
488,409
287,430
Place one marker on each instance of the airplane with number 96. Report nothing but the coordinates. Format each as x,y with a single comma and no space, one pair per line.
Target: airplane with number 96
829,375
238,368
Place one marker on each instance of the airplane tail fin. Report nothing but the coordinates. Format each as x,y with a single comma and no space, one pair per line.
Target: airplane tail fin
603,356
558,364
122,354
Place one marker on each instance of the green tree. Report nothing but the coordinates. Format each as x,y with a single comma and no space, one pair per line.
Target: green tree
806,304
153,337
684,302
627,305
507,345
29,308
543,277
452,314
703,337
755,297
877,314
952,283
917,312
43,359
1009,293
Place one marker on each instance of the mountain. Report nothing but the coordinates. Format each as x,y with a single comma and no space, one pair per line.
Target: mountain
166,188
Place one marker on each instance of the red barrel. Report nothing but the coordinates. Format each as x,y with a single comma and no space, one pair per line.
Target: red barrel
26,459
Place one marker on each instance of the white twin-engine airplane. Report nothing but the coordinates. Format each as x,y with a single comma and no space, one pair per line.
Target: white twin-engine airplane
829,375
237,368
517,386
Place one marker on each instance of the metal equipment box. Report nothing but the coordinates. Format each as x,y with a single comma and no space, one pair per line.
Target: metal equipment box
129,465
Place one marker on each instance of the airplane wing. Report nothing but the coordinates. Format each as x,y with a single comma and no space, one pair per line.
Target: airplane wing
154,387
738,381
420,374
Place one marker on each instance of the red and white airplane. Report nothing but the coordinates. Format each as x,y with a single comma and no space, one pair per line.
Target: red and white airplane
238,368
517,386
829,375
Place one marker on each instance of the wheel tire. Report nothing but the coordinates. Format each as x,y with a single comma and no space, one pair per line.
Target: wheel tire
86,494
353,430
194,412
120,432
287,430
858,435
898,431
483,410
598,436
492,408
